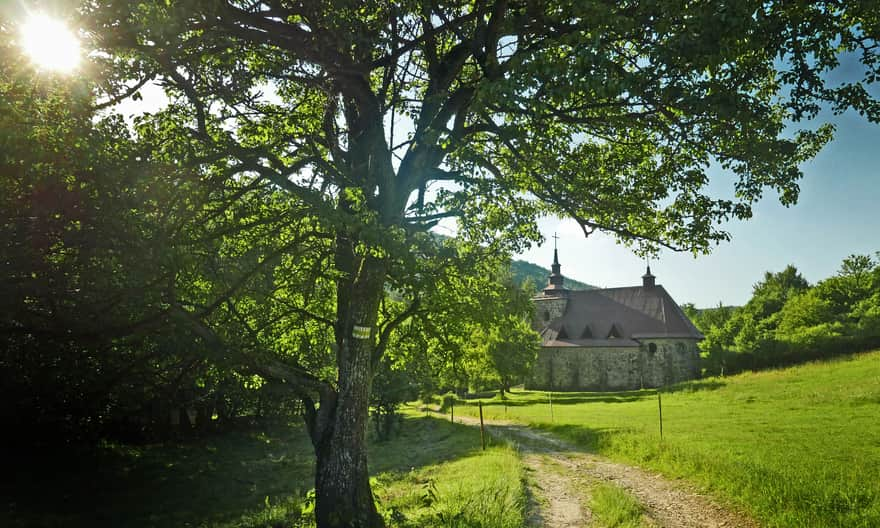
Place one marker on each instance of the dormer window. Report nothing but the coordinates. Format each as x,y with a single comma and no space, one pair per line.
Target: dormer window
562,334
614,333
587,333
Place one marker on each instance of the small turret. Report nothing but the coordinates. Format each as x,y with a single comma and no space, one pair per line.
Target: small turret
555,280
648,280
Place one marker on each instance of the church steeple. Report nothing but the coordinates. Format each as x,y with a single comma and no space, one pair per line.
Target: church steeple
648,279
555,270
555,280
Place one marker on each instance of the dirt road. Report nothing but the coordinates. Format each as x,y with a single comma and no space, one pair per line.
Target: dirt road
560,473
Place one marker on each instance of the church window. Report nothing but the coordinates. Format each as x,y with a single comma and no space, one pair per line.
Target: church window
652,348
546,315
614,333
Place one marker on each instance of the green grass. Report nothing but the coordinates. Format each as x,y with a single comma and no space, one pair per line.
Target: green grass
483,490
798,447
259,479
612,507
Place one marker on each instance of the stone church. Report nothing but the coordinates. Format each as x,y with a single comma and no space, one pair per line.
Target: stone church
611,339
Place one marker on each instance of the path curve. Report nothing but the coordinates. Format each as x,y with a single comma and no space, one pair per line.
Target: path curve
668,504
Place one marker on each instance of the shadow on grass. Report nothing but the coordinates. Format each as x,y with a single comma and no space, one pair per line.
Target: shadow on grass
526,398
208,482
696,386
211,480
423,440
580,438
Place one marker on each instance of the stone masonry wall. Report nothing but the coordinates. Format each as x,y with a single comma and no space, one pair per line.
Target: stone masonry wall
615,368
547,309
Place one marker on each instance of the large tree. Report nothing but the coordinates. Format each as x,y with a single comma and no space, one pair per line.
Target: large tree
380,119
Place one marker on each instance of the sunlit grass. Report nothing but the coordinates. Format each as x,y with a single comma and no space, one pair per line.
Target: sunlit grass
612,507
482,490
798,447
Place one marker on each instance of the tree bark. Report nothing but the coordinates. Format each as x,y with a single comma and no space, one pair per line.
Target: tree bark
342,483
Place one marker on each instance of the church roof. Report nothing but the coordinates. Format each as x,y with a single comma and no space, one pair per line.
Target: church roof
618,317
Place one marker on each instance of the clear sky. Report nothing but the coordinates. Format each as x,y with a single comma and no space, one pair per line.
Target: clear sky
838,214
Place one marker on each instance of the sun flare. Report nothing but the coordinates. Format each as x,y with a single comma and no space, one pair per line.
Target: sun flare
50,44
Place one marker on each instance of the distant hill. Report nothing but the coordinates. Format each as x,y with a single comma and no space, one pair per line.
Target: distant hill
523,270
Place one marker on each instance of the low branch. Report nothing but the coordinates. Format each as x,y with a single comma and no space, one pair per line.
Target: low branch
389,327
125,95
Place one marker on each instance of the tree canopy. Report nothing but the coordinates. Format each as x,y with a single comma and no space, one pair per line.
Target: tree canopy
609,112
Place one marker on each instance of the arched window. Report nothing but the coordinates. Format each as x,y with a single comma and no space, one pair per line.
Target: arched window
652,349
546,315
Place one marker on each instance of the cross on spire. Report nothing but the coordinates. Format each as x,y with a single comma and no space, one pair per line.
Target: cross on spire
555,238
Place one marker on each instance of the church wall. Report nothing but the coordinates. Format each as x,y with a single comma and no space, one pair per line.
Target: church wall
675,360
615,368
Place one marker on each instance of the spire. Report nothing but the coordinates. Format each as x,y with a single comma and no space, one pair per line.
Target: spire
648,279
555,280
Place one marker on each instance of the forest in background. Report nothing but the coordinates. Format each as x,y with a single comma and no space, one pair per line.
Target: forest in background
788,320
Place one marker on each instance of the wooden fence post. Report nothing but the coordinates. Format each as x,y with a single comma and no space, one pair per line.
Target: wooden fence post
660,410
482,433
550,397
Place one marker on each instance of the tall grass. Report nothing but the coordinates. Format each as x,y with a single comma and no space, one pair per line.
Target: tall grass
798,447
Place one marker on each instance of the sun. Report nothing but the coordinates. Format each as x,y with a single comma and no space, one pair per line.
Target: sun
50,44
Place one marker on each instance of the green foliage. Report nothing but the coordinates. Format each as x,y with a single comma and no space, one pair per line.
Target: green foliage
392,386
513,349
786,321
103,234
469,333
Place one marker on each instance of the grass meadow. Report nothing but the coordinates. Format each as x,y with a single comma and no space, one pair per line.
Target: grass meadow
798,447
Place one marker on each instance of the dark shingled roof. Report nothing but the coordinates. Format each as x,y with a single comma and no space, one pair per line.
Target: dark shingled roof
636,312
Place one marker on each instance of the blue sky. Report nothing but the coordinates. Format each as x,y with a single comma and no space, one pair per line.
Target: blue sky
838,214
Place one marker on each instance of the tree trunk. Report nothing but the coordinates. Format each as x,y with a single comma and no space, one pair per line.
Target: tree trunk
342,483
